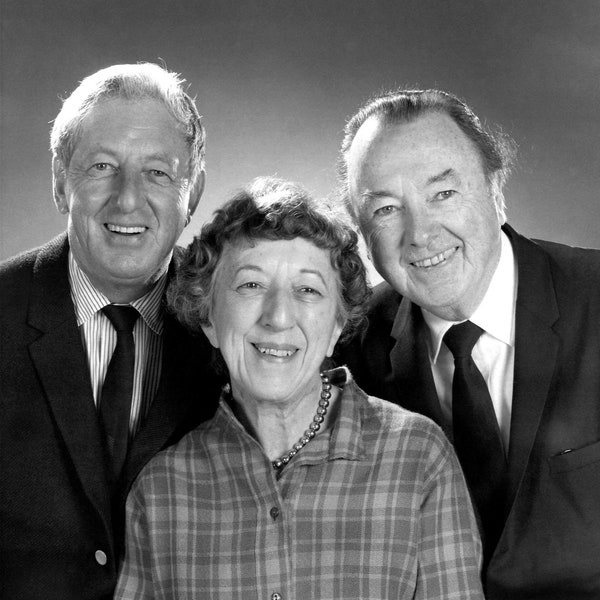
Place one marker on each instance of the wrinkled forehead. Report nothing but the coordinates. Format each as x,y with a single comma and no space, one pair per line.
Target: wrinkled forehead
431,141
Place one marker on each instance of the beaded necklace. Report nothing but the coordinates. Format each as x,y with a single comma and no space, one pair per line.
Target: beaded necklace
315,425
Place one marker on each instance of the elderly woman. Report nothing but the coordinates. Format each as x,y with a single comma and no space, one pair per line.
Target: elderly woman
297,488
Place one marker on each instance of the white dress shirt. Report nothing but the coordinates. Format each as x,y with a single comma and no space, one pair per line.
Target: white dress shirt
494,352
100,338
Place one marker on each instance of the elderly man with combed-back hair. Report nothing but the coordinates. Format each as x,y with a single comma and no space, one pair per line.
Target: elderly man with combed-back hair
492,335
95,376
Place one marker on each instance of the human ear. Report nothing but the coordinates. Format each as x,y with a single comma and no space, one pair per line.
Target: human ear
211,333
196,193
58,185
335,336
498,198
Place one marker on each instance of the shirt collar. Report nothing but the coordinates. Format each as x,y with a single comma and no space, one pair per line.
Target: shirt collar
342,440
88,300
346,439
496,312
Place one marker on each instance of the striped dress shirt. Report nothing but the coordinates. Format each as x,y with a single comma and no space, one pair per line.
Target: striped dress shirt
100,338
375,507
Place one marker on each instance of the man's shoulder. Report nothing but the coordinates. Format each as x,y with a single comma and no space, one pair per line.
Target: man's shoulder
384,302
550,272
17,273
18,264
24,262
573,261
570,264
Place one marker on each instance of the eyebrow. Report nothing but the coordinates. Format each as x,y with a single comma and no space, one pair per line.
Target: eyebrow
162,156
315,272
247,267
258,269
369,196
115,150
441,176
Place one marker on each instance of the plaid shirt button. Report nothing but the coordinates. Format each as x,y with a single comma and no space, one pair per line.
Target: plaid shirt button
276,596
274,512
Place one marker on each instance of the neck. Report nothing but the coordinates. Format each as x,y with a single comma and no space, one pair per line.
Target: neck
124,295
277,427
123,292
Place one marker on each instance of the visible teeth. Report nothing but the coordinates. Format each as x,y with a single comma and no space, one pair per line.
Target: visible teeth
274,351
434,260
123,229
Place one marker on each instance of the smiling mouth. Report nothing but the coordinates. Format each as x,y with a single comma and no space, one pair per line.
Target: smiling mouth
133,230
433,261
277,352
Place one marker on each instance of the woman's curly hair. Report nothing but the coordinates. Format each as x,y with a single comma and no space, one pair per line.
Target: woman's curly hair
270,209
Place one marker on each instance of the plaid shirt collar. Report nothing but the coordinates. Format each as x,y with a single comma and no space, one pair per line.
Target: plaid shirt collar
341,441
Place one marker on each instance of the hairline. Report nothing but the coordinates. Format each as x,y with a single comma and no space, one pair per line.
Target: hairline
150,86
495,178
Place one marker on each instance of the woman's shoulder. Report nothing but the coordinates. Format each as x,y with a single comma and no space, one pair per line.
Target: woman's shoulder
391,415
176,460
381,417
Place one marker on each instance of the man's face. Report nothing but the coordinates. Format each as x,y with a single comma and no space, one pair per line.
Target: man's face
427,211
127,190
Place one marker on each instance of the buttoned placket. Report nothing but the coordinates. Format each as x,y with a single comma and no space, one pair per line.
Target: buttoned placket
278,566
275,508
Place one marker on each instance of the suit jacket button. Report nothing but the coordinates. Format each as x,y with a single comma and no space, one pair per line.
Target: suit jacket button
100,557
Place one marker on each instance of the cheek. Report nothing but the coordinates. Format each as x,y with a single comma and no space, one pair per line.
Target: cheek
383,235
384,247
322,328
82,190
478,229
171,213
231,321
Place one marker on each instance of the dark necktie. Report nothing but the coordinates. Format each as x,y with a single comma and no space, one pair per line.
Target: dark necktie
476,434
115,403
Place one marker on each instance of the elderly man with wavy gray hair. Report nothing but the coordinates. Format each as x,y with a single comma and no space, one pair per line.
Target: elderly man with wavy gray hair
95,377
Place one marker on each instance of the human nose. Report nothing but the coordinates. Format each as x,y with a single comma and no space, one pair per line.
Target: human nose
278,311
129,194
420,226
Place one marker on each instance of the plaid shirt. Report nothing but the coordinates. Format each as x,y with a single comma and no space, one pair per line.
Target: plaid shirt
375,507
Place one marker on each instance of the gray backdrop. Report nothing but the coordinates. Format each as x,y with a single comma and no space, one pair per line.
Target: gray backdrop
276,80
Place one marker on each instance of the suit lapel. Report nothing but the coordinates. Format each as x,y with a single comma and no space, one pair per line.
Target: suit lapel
536,347
59,359
168,407
187,394
411,380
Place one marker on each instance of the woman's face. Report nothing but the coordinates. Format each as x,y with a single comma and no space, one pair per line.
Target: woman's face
274,317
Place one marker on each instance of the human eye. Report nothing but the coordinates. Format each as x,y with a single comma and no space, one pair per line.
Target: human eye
386,210
248,287
101,169
382,206
307,290
159,176
445,195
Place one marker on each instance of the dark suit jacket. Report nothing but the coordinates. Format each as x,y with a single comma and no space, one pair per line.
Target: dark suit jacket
55,511
550,547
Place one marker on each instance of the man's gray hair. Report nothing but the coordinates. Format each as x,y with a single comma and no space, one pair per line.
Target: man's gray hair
129,82
497,150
